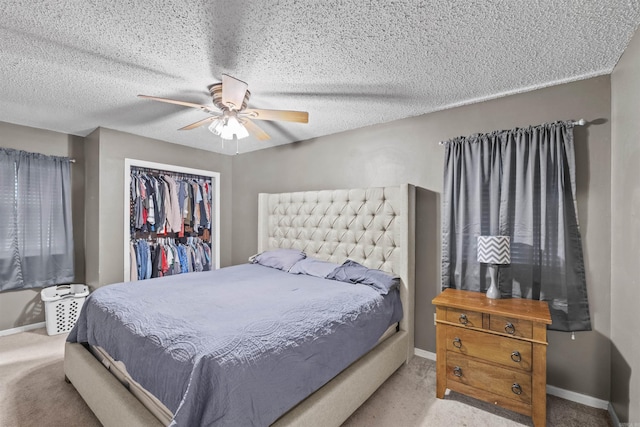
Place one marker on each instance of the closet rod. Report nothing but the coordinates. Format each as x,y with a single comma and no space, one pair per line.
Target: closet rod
184,175
580,122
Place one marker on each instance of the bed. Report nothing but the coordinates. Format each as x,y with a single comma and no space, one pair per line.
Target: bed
371,226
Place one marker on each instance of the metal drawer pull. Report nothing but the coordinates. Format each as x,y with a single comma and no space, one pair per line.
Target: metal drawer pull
516,389
516,357
509,328
463,319
457,343
457,371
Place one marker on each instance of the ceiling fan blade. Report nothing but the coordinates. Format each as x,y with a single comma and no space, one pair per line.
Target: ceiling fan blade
199,123
255,130
282,115
173,101
233,92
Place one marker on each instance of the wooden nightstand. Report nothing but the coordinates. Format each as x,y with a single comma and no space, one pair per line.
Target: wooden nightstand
494,350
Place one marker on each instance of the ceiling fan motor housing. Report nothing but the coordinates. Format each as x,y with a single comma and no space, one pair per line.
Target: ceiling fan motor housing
216,95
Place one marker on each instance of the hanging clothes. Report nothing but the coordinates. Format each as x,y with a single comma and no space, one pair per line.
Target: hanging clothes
170,204
170,223
168,256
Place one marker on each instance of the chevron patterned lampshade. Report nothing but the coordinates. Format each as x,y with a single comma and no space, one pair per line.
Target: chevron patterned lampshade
494,249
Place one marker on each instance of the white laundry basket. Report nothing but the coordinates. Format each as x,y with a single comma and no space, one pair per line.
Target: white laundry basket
62,306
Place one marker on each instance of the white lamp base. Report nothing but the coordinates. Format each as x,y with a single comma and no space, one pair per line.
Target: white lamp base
493,292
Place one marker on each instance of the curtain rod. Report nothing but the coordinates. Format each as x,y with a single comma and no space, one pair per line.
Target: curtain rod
580,122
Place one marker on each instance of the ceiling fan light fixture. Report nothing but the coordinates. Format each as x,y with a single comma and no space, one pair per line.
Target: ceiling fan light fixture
226,127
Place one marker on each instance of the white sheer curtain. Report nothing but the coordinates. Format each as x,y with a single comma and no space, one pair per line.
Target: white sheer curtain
36,238
518,183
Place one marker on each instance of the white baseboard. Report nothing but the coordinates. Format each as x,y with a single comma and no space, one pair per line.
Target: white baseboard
22,329
577,397
552,390
614,417
424,353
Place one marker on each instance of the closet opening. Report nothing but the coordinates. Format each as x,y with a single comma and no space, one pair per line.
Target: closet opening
171,220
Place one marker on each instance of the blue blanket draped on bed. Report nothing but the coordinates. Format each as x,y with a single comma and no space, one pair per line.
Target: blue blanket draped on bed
238,346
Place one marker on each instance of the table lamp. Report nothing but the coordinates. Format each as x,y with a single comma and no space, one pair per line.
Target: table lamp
494,250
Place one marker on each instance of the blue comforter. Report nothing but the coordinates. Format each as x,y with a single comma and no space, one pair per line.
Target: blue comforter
239,346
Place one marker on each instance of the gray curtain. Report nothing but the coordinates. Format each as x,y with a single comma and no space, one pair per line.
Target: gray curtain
36,239
518,183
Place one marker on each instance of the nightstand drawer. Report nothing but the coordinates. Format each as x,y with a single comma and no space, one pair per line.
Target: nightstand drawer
511,326
494,348
501,381
468,318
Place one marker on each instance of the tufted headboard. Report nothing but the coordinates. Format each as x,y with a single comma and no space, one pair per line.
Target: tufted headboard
372,226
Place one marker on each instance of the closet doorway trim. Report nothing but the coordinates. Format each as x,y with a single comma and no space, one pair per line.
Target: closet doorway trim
215,180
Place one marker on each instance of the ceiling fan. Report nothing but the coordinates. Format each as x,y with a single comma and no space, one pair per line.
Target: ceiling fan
229,115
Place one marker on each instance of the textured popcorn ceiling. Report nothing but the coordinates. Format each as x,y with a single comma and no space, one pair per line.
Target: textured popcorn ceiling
74,65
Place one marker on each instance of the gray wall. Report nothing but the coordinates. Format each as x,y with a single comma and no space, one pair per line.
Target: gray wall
408,151
19,308
625,235
105,152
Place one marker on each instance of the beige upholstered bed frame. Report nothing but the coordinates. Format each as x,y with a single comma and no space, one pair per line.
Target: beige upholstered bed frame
372,226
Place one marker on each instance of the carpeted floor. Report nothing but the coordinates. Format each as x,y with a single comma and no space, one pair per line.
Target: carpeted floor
33,393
